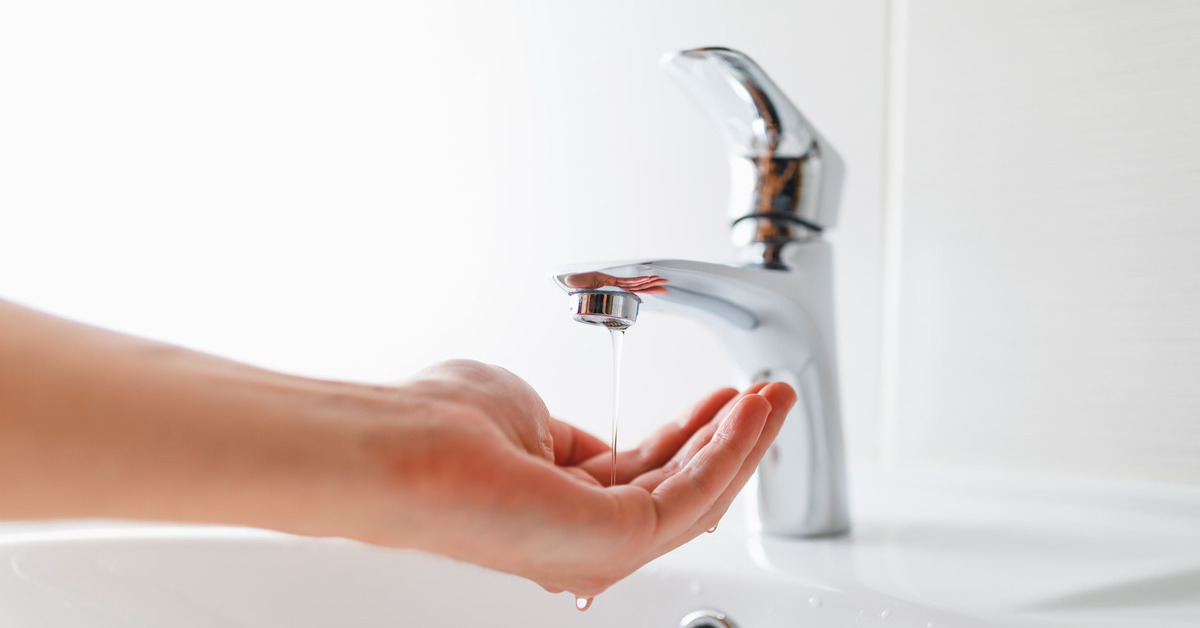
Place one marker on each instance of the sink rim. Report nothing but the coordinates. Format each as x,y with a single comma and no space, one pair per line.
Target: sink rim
912,529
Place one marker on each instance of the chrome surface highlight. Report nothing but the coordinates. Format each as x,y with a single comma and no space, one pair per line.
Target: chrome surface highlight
612,309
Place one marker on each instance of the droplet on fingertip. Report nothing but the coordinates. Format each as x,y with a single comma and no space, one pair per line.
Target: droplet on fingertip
583,603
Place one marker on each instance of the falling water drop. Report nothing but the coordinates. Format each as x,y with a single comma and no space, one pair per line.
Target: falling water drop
887,612
814,602
583,603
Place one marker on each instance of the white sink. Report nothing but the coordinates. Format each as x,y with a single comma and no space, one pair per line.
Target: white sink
926,550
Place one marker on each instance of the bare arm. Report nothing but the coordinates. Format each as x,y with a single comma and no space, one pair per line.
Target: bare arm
463,460
101,424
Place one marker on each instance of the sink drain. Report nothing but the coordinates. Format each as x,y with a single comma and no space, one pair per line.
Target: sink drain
706,619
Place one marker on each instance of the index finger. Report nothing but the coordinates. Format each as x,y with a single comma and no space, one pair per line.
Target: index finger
661,445
688,495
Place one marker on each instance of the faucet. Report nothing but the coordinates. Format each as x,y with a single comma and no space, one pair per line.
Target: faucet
773,308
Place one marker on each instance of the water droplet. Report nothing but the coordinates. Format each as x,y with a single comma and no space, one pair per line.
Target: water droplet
583,603
814,602
887,612
712,529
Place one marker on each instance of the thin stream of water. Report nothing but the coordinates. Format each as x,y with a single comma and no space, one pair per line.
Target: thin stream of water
618,338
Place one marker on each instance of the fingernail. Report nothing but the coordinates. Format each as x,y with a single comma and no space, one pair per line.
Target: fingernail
744,400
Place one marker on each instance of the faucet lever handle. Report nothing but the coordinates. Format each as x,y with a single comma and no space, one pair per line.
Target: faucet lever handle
789,173
753,114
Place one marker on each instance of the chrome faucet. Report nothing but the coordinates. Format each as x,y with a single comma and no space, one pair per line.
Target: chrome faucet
774,309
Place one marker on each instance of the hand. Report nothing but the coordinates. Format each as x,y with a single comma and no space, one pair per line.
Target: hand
491,479
464,460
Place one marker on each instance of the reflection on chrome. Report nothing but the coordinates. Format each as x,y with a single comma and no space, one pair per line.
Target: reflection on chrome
650,284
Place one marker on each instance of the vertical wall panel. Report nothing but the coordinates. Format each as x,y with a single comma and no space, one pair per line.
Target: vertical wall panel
1050,314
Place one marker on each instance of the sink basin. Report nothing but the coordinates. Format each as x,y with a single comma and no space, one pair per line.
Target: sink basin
926,551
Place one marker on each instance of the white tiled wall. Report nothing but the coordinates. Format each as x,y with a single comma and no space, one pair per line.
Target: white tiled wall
1050,251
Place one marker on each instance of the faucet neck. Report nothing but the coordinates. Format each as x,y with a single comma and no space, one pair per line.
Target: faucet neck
777,189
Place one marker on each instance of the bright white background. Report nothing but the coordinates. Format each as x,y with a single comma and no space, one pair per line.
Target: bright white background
1049,314
357,189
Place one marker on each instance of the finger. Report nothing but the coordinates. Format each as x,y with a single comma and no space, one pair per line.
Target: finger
701,437
682,499
781,397
658,448
667,440
572,445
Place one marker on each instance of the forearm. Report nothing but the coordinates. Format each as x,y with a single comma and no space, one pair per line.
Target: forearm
98,424
462,460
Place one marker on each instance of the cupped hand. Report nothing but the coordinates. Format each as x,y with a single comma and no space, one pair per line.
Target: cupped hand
479,471
464,460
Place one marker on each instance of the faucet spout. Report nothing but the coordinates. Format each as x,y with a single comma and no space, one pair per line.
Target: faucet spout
777,325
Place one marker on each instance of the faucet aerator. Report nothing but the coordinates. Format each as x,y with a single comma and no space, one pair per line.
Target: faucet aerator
606,308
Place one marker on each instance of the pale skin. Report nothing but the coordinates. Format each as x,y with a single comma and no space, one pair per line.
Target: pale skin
462,460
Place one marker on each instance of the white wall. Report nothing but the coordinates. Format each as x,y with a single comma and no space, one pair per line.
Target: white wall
1049,313
357,189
